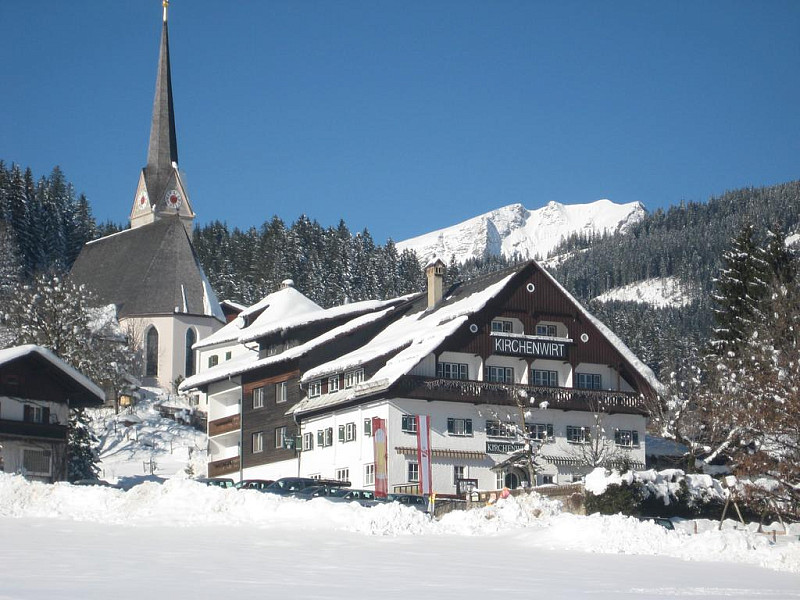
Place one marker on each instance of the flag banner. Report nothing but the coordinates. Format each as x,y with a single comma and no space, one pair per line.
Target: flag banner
424,454
380,445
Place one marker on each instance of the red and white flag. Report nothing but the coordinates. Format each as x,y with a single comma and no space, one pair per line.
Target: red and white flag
424,454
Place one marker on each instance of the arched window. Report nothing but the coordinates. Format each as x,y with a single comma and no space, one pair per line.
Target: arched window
151,353
191,338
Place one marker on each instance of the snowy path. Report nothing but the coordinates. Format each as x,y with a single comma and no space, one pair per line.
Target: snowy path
81,560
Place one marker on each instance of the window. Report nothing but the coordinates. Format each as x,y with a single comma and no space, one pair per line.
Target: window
408,423
413,472
343,474
151,353
36,414
325,437
280,436
458,473
498,429
191,338
500,374
369,474
589,381
501,326
333,384
367,427
258,397
578,435
628,438
547,330
308,441
347,432
447,370
459,426
36,462
213,361
258,442
228,355
315,389
547,479
544,378
540,431
281,391
352,378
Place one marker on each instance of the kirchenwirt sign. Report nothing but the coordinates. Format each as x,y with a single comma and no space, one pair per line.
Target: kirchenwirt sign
523,346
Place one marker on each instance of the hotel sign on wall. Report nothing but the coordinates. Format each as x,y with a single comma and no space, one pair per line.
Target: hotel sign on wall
503,447
525,346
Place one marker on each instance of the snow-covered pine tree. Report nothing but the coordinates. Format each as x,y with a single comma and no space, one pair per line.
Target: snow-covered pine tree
82,456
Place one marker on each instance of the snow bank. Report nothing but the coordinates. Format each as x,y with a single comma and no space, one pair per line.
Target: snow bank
532,520
664,484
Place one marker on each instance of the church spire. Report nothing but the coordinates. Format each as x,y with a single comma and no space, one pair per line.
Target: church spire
161,191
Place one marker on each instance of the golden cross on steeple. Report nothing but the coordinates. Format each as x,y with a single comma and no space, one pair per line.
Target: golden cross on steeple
165,4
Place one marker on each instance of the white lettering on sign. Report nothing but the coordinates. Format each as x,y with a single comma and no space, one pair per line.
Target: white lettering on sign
529,347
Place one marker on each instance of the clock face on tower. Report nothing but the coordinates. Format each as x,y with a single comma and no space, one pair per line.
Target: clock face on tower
174,199
141,201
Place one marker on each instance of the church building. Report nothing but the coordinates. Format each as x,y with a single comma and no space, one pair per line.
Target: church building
150,271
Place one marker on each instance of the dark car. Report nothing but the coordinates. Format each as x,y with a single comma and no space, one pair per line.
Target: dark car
662,521
97,482
363,497
413,500
253,484
286,486
319,491
223,482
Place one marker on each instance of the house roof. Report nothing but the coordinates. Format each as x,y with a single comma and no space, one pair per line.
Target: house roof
411,338
151,269
83,391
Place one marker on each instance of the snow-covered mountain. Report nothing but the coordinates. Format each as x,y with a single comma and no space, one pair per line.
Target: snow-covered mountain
515,229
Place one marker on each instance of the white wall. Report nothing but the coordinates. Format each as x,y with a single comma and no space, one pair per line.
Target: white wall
13,409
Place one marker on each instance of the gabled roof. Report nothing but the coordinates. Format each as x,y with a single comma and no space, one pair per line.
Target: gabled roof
82,390
151,269
408,340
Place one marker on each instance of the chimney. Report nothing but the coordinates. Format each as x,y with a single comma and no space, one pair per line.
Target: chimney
435,272
287,283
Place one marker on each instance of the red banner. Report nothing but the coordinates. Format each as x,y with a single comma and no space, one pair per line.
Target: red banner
424,454
380,445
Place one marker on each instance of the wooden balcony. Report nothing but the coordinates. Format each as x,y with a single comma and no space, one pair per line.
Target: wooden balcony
225,466
224,425
25,429
483,392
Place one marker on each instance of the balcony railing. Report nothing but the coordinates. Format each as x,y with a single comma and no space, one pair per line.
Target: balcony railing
33,430
223,467
224,425
484,392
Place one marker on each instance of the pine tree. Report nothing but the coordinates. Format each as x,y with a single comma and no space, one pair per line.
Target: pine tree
82,459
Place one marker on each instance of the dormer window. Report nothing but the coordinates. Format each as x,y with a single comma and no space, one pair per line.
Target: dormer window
315,389
352,378
501,326
547,330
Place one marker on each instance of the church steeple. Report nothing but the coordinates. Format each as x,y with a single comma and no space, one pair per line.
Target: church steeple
161,191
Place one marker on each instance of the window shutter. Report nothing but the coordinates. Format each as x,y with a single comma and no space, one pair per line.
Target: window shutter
341,433
550,430
617,437
46,416
635,438
468,426
320,438
27,414
450,425
367,427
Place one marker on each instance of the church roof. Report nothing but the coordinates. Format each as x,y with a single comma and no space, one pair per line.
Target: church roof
151,269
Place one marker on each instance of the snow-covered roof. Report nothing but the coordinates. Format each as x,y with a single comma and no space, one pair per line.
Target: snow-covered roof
411,337
250,362
11,354
278,307
268,323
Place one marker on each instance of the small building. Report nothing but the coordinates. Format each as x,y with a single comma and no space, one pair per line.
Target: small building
37,390
482,359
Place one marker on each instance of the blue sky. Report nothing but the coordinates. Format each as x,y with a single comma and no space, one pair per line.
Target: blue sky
403,117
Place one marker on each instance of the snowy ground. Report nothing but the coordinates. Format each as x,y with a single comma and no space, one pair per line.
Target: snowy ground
660,293
184,540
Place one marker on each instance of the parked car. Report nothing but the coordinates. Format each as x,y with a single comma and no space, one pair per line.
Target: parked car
363,497
97,482
286,486
223,482
413,500
253,484
319,491
662,521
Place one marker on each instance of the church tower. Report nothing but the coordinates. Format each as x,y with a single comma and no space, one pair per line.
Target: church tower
161,191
